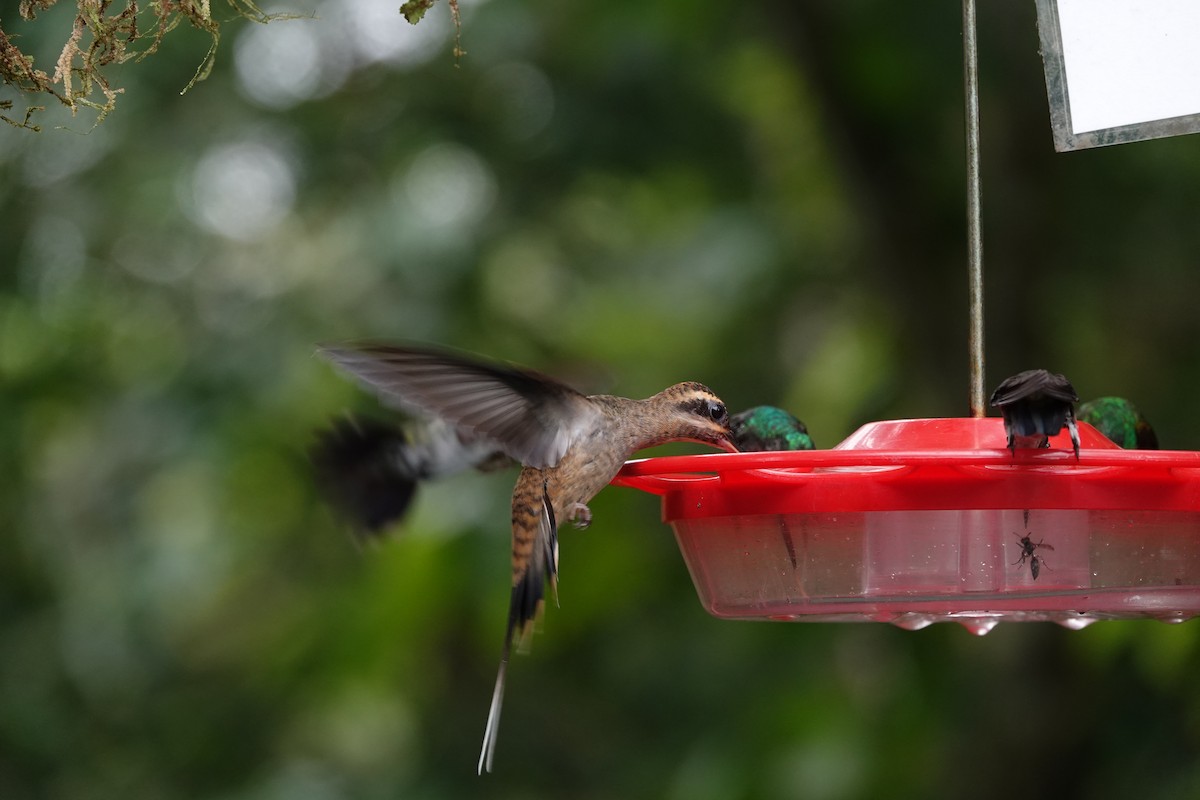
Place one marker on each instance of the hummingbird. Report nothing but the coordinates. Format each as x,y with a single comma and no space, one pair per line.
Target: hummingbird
1119,420
369,469
569,445
1036,404
768,428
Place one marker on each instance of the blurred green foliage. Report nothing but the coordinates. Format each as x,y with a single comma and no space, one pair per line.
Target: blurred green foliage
767,198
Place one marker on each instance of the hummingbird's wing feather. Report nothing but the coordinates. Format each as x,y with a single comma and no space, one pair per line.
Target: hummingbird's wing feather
368,470
360,471
528,592
531,417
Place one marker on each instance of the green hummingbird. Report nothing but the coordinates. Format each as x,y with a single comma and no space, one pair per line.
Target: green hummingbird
1036,404
570,447
1119,420
768,428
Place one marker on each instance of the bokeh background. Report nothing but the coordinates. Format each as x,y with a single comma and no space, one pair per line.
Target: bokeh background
767,197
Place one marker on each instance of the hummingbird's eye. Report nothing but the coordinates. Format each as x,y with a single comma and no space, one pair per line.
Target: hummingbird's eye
717,412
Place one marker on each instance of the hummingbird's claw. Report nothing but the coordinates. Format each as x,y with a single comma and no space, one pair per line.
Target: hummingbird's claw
580,515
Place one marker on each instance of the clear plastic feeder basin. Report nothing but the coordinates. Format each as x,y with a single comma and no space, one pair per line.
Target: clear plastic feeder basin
920,521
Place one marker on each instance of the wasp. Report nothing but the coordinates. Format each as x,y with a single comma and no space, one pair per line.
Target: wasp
1029,550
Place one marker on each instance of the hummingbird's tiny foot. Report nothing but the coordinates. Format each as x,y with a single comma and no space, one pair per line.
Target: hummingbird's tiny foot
580,515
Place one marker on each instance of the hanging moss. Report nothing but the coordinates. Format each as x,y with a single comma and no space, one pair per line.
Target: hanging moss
105,33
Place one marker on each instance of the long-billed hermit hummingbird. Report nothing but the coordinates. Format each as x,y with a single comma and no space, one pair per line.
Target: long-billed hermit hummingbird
369,469
570,447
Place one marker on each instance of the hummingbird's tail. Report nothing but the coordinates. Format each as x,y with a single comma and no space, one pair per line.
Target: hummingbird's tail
360,469
528,598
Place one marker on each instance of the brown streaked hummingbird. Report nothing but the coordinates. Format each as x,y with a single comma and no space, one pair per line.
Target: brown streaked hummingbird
1036,404
570,447
368,469
1119,420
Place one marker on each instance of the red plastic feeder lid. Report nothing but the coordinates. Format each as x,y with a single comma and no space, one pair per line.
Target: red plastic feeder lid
920,521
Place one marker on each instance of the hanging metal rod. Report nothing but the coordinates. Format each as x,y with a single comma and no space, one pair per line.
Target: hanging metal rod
974,217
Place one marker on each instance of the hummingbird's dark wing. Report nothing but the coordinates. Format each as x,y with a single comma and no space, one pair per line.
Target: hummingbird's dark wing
1033,383
368,469
357,469
531,417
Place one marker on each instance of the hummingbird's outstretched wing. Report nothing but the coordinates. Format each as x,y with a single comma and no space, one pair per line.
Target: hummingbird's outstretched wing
535,531
531,417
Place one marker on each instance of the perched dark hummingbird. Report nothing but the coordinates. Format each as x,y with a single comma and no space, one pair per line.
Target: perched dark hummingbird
768,428
570,447
1036,404
1119,420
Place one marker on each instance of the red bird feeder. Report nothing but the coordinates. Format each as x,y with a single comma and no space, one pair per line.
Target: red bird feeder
920,521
